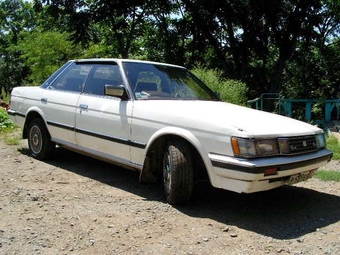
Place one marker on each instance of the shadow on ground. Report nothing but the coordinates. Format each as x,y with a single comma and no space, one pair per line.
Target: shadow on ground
284,213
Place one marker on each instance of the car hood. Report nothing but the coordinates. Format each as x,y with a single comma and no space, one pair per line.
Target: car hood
221,117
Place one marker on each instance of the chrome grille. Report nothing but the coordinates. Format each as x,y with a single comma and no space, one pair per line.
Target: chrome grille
297,145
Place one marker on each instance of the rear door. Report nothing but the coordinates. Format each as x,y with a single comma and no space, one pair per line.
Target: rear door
59,103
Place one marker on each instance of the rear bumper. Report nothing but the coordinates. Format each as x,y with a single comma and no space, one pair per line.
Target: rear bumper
248,176
17,117
11,112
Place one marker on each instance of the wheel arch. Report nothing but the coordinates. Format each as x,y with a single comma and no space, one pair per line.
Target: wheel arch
152,166
32,114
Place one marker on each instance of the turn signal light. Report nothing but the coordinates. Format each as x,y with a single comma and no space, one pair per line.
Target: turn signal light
270,171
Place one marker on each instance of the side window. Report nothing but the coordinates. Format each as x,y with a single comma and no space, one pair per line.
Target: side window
50,79
101,75
73,78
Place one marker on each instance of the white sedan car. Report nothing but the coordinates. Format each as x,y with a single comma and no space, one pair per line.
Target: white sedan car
161,120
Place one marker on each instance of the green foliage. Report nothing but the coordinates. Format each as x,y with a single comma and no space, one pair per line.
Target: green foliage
6,124
287,47
45,52
314,74
15,16
328,175
334,145
4,95
95,51
231,91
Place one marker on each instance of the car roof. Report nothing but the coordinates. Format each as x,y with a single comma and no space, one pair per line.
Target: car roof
118,60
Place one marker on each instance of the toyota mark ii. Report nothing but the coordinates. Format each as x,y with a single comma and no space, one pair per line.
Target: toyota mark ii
161,120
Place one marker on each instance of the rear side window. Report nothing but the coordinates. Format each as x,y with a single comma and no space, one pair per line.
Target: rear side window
102,75
50,79
73,78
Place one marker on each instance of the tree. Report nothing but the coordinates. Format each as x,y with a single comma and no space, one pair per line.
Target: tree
15,16
253,40
272,46
314,71
121,23
45,52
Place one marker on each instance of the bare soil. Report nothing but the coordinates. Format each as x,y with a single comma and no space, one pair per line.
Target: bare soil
77,205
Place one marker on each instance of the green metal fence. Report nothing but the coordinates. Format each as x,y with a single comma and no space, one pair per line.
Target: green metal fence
284,106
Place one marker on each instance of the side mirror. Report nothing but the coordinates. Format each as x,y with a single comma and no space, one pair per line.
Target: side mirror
218,95
116,91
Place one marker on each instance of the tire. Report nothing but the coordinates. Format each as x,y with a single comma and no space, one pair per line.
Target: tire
178,175
39,140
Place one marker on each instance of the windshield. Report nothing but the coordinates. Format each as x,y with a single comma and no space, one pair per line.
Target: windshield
161,82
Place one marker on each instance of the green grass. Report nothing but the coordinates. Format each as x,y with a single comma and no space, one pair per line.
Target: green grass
12,140
325,175
333,145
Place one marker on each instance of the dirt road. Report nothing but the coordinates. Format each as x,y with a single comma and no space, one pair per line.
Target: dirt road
77,205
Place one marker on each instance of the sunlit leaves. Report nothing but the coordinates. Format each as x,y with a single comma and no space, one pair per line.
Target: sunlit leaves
45,52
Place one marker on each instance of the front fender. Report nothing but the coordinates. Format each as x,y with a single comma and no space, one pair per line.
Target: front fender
184,134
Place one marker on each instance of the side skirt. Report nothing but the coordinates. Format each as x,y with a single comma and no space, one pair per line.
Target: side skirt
98,155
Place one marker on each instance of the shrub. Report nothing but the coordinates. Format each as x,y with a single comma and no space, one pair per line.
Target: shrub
334,145
229,90
6,124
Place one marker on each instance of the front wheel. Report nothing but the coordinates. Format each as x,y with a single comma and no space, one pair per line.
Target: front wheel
178,175
39,140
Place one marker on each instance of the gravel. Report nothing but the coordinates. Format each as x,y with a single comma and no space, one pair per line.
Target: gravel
77,205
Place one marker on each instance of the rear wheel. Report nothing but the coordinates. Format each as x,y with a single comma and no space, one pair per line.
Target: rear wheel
178,173
39,140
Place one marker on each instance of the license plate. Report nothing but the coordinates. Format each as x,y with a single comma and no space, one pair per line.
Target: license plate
300,177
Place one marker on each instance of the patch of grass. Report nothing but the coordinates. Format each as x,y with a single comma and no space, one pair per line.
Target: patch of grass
12,140
328,175
333,145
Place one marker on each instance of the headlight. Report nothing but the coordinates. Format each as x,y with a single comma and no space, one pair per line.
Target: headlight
250,148
321,140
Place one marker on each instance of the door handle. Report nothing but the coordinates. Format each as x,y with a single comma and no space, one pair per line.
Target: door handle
43,99
84,106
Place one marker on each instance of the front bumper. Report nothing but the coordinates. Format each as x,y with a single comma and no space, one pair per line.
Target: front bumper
244,175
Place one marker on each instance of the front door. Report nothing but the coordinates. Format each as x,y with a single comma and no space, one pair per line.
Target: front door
103,122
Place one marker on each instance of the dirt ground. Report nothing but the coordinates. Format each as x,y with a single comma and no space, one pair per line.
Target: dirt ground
77,205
